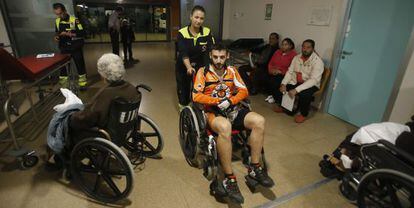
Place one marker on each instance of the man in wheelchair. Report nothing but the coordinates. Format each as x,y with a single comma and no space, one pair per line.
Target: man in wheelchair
220,90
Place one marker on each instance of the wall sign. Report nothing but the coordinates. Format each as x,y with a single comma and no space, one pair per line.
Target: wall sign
268,13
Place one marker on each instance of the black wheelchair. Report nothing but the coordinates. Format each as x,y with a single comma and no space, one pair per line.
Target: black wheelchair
384,178
102,164
199,146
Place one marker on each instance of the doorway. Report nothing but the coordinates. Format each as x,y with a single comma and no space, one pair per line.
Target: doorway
374,45
150,22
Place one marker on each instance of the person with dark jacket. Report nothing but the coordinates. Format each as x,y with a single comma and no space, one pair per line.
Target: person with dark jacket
127,37
259,71
95,114
194,43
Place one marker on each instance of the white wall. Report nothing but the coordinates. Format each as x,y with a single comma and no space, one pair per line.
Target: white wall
403,107
289,19
4,38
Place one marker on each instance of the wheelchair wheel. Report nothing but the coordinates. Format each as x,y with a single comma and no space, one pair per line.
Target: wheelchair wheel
102,170
147,140
386,188
190,137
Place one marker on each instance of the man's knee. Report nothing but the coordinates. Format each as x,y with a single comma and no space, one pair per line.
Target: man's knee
223,127
255,121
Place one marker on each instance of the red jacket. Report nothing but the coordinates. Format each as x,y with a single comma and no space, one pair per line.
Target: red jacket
281,61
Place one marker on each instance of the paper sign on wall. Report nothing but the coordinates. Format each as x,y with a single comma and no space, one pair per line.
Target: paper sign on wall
269,10
320,16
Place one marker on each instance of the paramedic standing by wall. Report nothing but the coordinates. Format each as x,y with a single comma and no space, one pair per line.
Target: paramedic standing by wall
194,45
69,34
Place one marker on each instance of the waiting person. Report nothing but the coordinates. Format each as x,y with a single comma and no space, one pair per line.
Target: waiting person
111,68
194,44
127,37
114,26
303,78
70,35
259,71
95,112
277,68
347,156
220,89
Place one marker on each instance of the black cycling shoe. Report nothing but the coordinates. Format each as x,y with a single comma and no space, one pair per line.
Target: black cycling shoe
228,187
260,176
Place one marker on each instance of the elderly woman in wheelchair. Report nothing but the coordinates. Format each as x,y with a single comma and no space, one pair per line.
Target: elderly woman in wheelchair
91,152
375,165
207,132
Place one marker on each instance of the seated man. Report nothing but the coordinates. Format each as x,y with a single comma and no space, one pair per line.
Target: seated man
95,114
303,78
263,54
220,89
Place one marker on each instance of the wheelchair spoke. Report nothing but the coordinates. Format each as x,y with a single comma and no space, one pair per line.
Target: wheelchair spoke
91,157
153,134
97,183
111,184
147,144
87,169
392,193
116,172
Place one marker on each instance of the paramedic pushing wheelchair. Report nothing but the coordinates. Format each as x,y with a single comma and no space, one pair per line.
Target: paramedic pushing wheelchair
220,90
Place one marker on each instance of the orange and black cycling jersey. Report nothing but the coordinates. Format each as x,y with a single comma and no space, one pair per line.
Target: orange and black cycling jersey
210,89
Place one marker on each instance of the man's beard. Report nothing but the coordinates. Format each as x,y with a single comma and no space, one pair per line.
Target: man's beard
306,54
218,66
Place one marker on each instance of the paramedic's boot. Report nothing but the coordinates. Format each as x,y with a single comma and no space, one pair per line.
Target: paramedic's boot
227,188
257,176
63,81
83,82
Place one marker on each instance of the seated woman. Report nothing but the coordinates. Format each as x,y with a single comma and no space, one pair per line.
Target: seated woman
346,156
277,68
111,68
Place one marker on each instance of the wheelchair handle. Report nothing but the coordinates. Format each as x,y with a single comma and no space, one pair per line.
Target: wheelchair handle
145,87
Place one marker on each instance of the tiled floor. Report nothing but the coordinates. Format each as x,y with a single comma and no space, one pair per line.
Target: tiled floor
292,150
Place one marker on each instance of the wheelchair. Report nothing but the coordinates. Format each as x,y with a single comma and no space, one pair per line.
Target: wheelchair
199,146
102,164
384,179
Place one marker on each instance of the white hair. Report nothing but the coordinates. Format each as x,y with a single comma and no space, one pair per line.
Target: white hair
111,67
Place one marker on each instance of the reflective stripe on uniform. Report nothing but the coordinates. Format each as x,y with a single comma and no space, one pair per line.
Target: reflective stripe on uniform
187,35
82,81
73,22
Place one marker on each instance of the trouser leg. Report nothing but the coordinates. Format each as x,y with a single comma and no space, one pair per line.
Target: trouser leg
114,41
274,85
305,99
243,71
183,86
77,56
130,55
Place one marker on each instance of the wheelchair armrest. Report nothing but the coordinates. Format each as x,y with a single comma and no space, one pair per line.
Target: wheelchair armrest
246,103
143,86
102,132
406,156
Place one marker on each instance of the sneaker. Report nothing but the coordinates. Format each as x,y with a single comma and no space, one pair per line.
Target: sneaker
260,175
278,109
299,118
232,190
268,97
271,100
